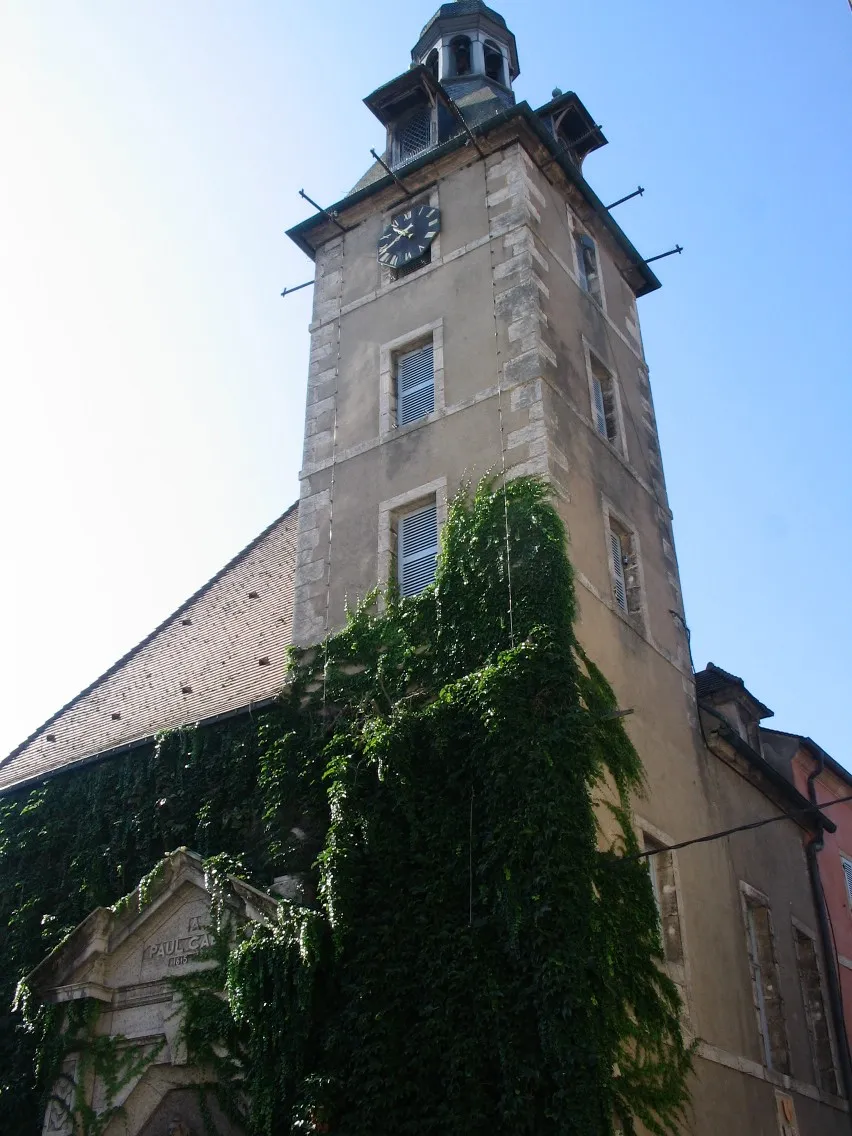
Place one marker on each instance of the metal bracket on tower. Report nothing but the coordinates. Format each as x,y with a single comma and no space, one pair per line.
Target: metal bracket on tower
385,166
638,192
325,212
287,291
659,256
452,105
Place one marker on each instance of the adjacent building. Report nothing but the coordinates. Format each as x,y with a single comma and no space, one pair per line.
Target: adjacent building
825,782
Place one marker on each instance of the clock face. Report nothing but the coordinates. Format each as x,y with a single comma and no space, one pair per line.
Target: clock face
409,235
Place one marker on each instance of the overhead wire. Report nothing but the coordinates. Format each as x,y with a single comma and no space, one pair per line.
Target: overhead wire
792,815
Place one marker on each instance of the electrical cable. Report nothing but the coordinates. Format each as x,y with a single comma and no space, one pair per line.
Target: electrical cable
808,812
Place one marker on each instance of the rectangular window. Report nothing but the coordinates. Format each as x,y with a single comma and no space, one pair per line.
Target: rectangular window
415,384
766,987
604,401
661,868
587,266
624,568
847,875
810,980
417,549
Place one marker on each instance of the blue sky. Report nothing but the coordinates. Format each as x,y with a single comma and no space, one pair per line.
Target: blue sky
154,380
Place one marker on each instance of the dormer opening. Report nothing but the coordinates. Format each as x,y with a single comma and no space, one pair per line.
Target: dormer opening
494,66
460,55
413,135
431,61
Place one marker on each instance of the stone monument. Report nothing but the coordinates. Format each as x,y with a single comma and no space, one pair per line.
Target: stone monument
125,959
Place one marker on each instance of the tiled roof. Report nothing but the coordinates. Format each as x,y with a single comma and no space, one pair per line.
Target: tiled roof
463,8
713,679
222,650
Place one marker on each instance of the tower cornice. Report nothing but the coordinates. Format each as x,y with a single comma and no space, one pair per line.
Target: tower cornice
528,127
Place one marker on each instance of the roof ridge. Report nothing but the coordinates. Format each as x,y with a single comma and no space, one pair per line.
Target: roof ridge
128,655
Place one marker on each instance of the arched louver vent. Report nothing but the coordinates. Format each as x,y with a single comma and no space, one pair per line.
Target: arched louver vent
418,550
415,385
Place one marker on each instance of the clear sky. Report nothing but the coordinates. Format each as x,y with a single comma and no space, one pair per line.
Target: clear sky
153,379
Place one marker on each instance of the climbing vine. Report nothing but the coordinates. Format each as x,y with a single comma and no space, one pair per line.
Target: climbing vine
472,952
75,1055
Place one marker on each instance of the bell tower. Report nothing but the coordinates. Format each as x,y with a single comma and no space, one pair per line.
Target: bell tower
475,312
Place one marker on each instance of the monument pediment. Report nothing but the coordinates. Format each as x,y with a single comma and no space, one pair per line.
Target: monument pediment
126,958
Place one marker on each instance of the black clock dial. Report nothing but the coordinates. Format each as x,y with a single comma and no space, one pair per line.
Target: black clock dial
409,235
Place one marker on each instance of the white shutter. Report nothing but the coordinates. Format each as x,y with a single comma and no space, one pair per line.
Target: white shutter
599,408
418,550
617,557
847,874
415,381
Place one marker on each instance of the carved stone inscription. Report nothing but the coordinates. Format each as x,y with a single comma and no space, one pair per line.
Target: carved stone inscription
181,949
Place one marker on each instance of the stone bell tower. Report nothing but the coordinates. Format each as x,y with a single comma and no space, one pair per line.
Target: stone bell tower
475,313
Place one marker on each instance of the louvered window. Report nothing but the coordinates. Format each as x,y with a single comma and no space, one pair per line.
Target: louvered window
599,408
603,402
415,384
587,265
414,136
418,550
619,586
847,875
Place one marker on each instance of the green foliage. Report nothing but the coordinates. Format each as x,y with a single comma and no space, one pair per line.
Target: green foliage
85,839
471,962
75,1054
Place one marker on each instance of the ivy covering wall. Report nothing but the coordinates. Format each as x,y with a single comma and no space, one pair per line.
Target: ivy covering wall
470,956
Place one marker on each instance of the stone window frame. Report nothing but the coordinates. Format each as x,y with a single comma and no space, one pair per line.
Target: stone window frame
750,899
394,507
390,275
619,443
678,969
388,353
578,229
805,931
636,611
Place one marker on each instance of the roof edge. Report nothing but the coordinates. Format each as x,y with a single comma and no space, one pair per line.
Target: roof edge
100,756
125,658
817,751
298,233
806,809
